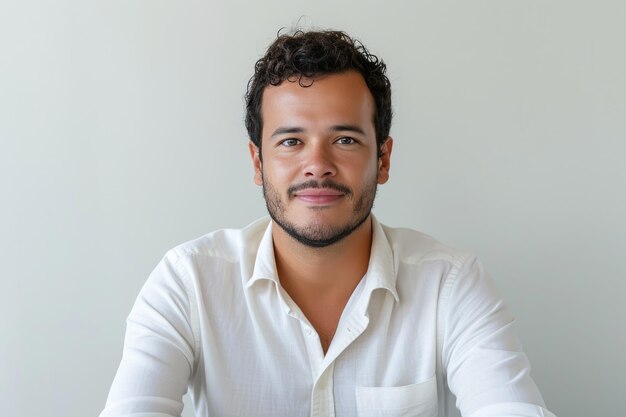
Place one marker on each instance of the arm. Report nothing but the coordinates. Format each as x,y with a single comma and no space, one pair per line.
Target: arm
485,366
158,356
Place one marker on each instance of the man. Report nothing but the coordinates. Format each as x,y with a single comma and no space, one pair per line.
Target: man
321,311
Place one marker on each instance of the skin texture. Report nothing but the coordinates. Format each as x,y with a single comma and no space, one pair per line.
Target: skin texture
319,171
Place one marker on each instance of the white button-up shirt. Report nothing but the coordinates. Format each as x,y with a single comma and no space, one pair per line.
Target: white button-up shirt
424,328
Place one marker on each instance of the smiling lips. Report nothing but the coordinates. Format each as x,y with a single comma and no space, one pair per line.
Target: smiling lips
319,195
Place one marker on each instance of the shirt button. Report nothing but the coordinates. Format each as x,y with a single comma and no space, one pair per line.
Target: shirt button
308,332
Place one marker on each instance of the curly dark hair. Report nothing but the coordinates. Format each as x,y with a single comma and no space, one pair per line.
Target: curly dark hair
307,54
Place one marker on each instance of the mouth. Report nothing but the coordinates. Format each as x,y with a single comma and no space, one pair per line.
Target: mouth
318,196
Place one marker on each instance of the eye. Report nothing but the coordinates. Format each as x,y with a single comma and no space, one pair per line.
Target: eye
290,142
345,140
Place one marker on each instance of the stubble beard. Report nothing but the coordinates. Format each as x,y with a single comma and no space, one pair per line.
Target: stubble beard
318,235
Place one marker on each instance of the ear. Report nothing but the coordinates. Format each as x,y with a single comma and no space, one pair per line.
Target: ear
384,160
256,163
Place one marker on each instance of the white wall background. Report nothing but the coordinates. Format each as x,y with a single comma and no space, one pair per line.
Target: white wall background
121,128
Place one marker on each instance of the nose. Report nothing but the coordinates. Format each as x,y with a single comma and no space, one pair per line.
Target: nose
319,161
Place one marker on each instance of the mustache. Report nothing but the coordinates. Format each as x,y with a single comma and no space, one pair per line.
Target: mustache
329,184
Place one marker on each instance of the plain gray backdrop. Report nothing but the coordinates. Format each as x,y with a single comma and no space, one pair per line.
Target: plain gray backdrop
121,128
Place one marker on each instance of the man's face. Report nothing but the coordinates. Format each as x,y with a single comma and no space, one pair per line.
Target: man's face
320,165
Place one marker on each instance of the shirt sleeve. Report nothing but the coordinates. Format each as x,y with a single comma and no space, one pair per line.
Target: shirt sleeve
485,365
158,356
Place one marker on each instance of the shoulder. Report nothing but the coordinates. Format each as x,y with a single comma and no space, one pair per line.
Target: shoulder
413,247
457,275
230,245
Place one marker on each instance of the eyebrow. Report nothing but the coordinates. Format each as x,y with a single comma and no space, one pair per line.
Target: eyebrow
284,130
335,128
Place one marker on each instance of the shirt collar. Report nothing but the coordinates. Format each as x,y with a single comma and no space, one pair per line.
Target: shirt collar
381,271
265,262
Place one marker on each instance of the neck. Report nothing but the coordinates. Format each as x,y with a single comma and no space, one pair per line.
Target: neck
321,280
334,269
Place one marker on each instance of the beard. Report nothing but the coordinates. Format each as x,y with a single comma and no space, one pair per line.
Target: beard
317,234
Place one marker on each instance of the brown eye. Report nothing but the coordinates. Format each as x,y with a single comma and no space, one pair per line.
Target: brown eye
290,142
345,140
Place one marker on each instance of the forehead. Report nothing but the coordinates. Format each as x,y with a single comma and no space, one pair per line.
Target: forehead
331,99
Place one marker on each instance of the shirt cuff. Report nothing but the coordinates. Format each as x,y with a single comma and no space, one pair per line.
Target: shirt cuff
512,410
143,407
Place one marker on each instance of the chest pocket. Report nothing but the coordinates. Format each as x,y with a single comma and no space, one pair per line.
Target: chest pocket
415,400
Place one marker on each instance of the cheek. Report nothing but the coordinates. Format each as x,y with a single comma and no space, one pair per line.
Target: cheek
368,169
279,171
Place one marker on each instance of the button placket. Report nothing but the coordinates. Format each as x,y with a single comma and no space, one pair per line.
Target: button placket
322,396
313,348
